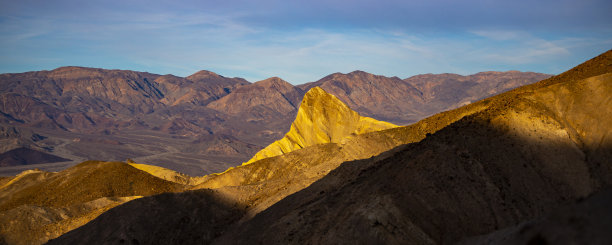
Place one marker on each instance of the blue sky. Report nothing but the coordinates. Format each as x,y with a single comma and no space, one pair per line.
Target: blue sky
302,41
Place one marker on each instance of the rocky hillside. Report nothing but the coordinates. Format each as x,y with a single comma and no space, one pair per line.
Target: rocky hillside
36,205
448,91
258,100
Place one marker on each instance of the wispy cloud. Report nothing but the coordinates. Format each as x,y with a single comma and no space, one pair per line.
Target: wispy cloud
297,41
500,35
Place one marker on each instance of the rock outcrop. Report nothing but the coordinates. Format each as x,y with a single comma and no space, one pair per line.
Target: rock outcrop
322,118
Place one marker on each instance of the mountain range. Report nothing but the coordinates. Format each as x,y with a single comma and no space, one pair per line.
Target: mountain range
203,123
527,166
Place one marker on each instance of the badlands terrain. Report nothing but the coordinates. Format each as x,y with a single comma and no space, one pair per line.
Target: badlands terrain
528,166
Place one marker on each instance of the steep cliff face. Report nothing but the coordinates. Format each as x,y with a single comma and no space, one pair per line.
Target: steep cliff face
322,118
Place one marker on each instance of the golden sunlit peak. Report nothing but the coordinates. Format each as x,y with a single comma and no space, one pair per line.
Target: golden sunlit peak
321,118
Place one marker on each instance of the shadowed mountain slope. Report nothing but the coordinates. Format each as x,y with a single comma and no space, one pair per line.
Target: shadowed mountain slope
192,217
586,221
321,118
225,213
81,183
36,205
34,224
530,150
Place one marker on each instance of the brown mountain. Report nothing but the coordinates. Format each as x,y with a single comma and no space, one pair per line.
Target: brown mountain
88,113
261,100
79,110
449,91
465,172
115,95
412,99
384,98
200,88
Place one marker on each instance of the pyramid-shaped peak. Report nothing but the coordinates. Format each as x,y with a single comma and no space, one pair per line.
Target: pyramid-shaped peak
322,118
359,72
317,92
203,74
316,98
272,80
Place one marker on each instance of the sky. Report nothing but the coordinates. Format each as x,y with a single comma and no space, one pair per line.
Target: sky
303,41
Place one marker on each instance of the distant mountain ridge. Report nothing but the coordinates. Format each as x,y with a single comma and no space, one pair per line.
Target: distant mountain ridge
90,113
405,101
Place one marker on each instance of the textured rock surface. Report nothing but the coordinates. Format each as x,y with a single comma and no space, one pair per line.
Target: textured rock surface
272,94
192,217
586,221
36,206
81,183
33,224
442,92
321,118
